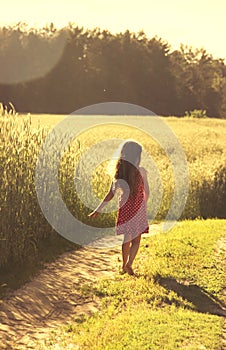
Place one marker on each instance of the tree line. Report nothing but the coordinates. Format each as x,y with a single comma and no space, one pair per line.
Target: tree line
49,70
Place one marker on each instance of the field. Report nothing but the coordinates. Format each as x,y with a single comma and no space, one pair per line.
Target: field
176,303
202,140
23,224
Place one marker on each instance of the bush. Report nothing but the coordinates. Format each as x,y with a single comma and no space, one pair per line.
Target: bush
196,113
213,195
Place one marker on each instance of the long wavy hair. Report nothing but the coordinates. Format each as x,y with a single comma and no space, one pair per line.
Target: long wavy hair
128,162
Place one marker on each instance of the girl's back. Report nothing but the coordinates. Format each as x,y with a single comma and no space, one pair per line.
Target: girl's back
132,216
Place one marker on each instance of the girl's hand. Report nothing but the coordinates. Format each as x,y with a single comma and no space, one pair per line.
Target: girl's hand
107,198
93,214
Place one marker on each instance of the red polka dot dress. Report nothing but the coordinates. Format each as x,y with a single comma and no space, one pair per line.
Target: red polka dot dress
132,215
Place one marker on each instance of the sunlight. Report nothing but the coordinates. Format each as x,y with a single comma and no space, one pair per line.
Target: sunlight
198,24
111,164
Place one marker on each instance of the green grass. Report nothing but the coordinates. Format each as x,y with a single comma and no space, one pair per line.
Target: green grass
175,302
143,328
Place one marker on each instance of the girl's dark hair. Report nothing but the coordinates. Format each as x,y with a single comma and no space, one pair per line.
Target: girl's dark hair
126,167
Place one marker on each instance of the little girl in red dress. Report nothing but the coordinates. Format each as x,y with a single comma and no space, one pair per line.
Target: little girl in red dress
131,180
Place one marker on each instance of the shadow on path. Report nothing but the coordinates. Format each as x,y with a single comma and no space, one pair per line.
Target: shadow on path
202,300
54,298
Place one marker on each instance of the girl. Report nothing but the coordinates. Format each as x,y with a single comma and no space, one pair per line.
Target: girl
131,221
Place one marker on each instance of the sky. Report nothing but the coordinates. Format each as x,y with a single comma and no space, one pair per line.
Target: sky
196,23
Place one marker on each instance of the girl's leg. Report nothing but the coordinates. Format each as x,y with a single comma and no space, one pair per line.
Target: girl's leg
125,253
133,250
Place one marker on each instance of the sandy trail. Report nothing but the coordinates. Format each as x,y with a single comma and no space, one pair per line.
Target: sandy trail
53,298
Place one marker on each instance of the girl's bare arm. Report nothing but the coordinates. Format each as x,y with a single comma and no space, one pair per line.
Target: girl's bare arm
145,180
104,202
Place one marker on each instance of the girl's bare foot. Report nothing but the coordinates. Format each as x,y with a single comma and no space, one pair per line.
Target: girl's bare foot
124,269
128,269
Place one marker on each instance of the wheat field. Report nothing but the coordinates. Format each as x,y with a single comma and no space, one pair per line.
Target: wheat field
23,224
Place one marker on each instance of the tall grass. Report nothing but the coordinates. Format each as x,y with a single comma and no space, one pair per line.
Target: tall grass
23,225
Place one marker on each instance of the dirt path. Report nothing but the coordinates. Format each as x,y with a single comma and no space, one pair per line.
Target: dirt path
53,298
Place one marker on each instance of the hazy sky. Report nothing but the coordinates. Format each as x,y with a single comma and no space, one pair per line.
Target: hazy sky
197,23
